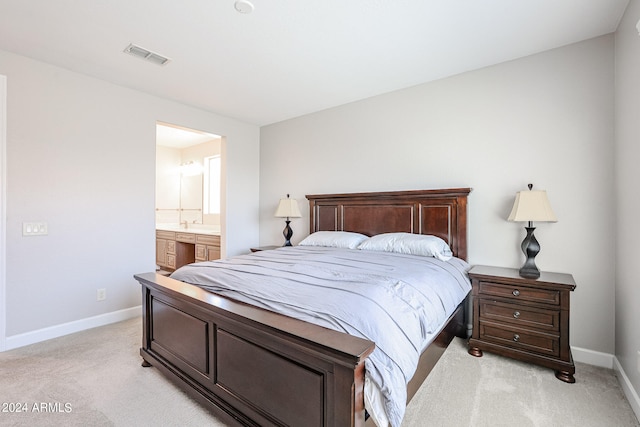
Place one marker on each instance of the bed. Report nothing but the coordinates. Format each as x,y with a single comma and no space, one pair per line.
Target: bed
252,366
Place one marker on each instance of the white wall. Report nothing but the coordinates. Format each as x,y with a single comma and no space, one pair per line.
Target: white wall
81,156
627,313
545,119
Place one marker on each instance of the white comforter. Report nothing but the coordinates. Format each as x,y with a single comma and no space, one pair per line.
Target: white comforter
402,300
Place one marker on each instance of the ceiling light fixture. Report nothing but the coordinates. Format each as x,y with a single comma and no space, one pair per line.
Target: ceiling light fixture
243,6
142,53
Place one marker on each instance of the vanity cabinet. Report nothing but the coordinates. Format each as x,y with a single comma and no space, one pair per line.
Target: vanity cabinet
166,249
176,248
207,247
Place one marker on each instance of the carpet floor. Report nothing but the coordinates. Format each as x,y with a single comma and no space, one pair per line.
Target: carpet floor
94,378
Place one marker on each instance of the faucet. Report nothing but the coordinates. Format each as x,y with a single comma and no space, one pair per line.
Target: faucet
185,223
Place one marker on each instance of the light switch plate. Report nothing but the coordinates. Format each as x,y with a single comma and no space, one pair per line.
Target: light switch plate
34,229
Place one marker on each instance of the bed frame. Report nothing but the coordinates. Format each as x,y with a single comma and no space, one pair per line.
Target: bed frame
253,367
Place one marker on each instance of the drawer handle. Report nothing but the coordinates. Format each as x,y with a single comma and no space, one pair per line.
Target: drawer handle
516,337
515,292
516,314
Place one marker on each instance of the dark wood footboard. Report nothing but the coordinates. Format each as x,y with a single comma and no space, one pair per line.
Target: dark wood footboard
251,366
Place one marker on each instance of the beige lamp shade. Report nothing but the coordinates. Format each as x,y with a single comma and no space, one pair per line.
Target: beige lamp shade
288,208
532,205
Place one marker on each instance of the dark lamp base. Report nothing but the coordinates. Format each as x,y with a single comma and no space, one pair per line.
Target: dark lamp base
287,233
530,247
529,273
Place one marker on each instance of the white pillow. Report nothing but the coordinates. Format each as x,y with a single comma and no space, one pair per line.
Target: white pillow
334,239
408,243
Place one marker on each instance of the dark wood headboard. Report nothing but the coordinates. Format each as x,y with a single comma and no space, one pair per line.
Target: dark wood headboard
442,213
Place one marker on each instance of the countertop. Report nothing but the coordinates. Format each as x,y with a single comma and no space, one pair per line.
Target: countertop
209,230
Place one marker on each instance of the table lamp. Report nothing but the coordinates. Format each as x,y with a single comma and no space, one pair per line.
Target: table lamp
287,208
530,206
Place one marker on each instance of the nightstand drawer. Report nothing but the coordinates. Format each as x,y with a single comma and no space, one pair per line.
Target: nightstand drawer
527,340
516,292
520,315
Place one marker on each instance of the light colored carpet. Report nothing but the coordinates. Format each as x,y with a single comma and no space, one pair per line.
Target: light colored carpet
98,373
495,391
94,378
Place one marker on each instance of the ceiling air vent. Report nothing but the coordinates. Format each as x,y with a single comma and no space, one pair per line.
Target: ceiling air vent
147,55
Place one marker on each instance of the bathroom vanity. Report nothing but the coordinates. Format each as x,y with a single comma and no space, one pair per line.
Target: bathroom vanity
178,247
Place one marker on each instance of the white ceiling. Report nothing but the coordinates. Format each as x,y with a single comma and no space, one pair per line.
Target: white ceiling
290,58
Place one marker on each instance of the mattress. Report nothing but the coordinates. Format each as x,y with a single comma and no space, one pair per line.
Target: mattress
398,301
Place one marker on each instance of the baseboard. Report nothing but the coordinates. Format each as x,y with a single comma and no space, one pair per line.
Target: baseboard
609,361
590,357
630,392
44,334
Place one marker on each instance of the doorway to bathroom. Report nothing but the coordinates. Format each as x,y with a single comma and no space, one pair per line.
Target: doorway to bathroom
188,195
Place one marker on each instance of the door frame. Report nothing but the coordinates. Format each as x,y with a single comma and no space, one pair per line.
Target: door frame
3,212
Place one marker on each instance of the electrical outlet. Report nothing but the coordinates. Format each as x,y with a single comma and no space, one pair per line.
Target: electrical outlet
34,229
102,294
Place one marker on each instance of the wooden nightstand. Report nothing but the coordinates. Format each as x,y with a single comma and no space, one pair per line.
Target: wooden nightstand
526,319
264,248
